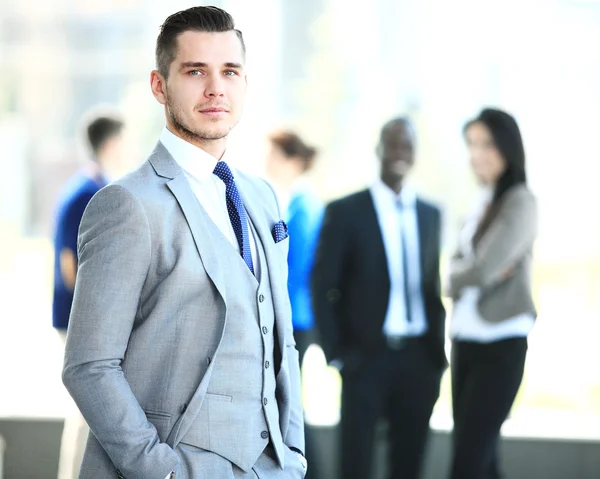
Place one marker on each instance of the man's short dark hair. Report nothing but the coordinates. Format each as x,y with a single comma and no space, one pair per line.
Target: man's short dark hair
198,19
100,128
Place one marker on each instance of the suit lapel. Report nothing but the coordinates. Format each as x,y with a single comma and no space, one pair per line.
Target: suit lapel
196,217
423,227
373,227
260,220
255,214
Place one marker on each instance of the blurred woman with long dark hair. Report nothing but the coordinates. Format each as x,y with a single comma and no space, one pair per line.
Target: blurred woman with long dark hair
490,284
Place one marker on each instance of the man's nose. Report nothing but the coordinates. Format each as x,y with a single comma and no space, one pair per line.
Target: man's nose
215,86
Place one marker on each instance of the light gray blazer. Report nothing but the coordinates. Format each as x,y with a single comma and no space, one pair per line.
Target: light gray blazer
148,315
507,243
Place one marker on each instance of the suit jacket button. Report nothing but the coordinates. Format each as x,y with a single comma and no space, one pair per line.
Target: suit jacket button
264,434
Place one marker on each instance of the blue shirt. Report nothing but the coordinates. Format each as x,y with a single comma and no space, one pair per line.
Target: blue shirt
70,210
304,216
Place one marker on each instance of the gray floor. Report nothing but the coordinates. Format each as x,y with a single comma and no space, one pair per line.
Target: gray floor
32,453
31,448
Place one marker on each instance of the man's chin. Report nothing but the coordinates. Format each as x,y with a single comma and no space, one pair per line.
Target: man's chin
214,136
214,132
394,176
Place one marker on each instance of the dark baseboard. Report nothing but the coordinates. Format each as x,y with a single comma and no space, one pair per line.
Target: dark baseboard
32,447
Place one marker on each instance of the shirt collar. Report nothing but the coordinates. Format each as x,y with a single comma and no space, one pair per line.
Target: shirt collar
486,194
407,196
195,161
484,198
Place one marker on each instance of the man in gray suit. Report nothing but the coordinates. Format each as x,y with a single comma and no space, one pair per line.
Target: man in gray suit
180,352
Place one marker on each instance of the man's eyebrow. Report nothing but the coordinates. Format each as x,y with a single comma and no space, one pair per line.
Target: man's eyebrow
205,65
193,65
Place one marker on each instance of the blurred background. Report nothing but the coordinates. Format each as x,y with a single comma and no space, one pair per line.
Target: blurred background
334,70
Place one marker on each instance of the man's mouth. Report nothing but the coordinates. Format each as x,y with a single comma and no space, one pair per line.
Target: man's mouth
398,167
213,111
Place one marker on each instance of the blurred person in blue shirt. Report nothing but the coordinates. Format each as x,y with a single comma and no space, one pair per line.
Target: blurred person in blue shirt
288,160
103,133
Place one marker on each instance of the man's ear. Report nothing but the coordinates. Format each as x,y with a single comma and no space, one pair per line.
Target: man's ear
159,87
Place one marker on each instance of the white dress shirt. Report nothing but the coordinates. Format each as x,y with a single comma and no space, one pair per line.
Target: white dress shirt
198,167
397,218
467,324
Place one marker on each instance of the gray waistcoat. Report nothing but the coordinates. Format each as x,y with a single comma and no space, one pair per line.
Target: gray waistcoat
239,415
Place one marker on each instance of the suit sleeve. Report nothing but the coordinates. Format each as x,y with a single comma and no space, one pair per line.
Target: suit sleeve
294,438
327,277
505,242
114,257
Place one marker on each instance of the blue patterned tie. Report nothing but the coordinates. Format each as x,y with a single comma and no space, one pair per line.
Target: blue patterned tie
237,212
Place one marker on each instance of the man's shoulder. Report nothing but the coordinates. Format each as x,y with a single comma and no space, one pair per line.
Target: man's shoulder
255,181
352,201
139,181
134,190
260,187
428,205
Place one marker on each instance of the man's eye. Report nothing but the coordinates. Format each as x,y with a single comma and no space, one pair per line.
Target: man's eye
230,73
195,72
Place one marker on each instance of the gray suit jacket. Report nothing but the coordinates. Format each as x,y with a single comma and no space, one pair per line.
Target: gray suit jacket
148,315
507,243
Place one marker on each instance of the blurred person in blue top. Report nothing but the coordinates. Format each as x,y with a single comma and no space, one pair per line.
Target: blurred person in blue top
103,130
288,161
103,134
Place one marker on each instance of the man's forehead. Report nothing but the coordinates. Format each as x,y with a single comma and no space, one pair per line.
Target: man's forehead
216,43
398,130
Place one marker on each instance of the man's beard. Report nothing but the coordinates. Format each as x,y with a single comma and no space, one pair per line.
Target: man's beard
192,135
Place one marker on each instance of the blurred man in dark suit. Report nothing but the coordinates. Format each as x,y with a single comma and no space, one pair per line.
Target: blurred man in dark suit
377,301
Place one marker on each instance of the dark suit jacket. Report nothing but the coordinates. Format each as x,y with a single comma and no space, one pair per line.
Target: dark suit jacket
351,283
